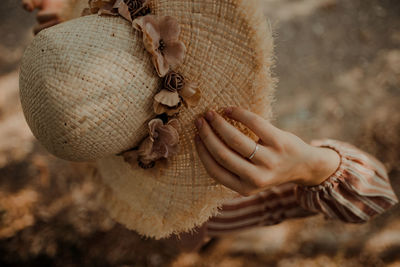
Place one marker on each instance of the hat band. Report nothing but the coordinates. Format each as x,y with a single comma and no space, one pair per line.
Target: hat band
161,40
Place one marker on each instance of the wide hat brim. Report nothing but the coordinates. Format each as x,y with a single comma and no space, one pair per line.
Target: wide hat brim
229,51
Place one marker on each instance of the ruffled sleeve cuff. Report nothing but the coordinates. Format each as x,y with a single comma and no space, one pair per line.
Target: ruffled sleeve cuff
358,190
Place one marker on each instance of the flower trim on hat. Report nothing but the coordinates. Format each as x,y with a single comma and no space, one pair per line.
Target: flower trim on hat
161,40
128,9
175,89
162,142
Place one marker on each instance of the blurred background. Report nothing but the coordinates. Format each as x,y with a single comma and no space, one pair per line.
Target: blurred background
338,62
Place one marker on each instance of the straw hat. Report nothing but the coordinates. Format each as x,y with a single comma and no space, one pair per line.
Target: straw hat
87,89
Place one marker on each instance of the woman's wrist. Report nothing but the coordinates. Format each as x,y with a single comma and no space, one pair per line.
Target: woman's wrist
322,163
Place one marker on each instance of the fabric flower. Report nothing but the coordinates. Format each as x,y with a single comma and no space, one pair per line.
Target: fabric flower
101,7
137,8
128,9
162,142
131,9
168,100
161,40
173,81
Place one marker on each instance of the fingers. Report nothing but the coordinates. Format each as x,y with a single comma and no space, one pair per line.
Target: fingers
261,127
222,154
234,138
219,173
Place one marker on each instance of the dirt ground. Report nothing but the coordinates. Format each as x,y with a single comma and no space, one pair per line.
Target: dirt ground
338,62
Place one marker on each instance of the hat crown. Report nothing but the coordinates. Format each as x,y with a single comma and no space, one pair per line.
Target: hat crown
84,99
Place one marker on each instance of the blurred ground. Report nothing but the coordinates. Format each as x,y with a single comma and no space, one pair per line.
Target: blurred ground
338,62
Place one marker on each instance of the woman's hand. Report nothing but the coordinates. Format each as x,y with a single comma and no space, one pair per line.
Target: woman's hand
282,157
49,12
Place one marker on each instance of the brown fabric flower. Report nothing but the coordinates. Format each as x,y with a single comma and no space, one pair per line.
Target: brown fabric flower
128,9
162,142
122,9
137,8
191,94
161,40
173,81
168,100
100,7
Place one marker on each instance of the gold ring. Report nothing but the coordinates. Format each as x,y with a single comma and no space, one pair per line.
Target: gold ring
254,152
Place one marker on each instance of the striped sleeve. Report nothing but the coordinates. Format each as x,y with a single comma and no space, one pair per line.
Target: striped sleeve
265,208
356,192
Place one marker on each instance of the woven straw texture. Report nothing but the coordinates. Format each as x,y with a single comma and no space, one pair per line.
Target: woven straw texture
94,97
87,86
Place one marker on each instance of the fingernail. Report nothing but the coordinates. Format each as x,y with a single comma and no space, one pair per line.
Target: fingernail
228,111
199,123
210,115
